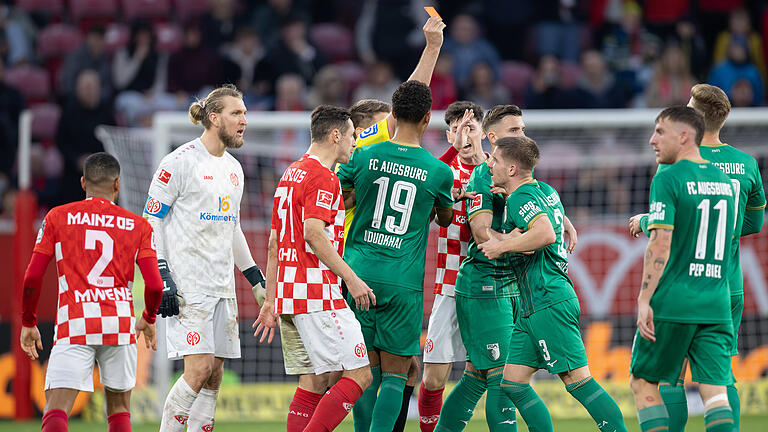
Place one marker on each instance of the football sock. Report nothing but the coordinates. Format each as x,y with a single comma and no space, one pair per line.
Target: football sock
388,403
177,406
300,411
461,402
119,422
201,413
529,404
363,411
55,420
718,419
733,400
653,419
430,402
335,405
599,404
676,403
499,411
400,423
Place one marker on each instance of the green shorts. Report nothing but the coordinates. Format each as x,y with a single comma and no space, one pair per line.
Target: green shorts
737,308
394,324
486,325
549,339
707,347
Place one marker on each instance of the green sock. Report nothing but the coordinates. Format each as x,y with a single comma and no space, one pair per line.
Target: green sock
676,403
599,404
460,404
388,404
499,409
530,405
363,410
653,419
718,419
733,400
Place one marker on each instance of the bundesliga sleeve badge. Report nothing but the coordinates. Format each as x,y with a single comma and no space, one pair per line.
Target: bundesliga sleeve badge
164,177
324,199
477,203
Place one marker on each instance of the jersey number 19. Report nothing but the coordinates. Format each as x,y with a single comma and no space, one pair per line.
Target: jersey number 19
401,201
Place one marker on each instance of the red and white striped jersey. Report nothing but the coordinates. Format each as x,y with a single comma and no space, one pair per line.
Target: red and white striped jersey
306,190
95,243
453,240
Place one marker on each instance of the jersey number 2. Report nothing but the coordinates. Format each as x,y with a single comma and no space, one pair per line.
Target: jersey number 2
95,276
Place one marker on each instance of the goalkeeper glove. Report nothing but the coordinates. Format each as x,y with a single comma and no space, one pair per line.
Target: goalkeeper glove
169,305
258,284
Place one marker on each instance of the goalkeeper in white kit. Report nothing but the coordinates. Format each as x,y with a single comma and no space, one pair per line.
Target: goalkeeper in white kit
194,208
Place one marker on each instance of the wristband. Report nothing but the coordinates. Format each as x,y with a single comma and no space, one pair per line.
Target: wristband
253,274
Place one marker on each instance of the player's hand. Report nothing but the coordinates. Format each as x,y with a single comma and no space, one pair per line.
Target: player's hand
30,341
645,321
260,292
517,232
433,32
362,293
266,322
498,190
149,331
462,130
169,305
573,237
634,225
460,194
491,247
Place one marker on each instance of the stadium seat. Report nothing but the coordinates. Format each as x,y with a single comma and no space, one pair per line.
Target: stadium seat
569,74
117,36
89,12
169,38
45,121
187,10
58,40
353,73
31,81
516,76
52,8
334,40
154,10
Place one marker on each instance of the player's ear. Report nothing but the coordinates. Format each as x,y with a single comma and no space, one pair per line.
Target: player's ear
82,182
117,184
358,130
448,135
427,117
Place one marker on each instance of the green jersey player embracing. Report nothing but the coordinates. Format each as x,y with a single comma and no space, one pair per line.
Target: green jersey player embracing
546,335
684,307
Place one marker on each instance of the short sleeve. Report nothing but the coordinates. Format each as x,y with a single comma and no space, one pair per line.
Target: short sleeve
166,186
46,236
483,200
756,197
523,209
320,194
147,247
444,181
346,172
661,213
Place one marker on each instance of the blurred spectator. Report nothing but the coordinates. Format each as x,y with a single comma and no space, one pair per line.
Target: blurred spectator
467,48
444,91
218,25
742,94
293,54
713,16
737,67
290,93
390,31
75,136
560,28
498,17
598,85
380,83
244,63
627,47
11,105
329,88
193,56
693,46
16,35
484,89
92,54
740,29
546,90
661,15
672,80
266,18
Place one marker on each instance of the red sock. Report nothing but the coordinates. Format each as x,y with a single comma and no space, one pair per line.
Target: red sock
55,420
430,402
300,411
119,422
334,406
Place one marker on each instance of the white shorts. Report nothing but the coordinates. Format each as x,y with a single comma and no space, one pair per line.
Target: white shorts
333,340
443,344
295,357
205,325
71,366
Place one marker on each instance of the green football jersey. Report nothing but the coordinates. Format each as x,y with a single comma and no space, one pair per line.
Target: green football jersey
542,277
695,200
396,186
479,276
742,169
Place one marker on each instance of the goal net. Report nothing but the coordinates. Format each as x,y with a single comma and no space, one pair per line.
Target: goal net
599,161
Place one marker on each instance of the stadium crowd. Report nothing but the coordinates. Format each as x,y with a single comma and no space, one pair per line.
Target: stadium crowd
119,61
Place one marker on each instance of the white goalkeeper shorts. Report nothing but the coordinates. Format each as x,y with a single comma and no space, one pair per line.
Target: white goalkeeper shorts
295,357
71,366
333,340
444,344
205,325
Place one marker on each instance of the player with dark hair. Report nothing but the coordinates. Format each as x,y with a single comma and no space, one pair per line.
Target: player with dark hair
96,244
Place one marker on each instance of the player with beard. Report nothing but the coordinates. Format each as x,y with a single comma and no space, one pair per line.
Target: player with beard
194,208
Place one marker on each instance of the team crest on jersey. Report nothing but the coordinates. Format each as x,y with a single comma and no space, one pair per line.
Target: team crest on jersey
428,346
153,206
182,419
373,130
360,350
493,351
234,179
164,176
193,338
477,203
324,199
40,233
